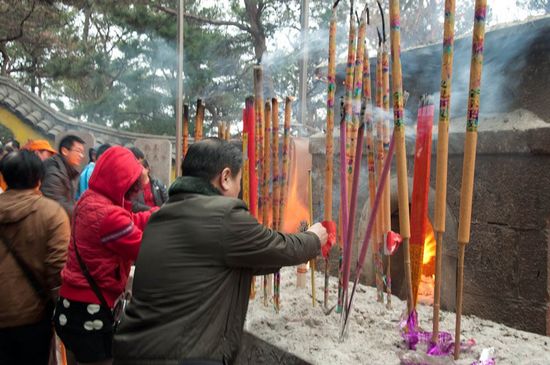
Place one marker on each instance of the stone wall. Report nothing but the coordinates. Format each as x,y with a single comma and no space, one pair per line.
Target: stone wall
506,262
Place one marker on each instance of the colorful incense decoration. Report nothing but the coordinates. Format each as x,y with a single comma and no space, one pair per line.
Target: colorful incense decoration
185,129
245,170
199,120
259,117
470,145
399,135
276,193
329,162
442,152
421,187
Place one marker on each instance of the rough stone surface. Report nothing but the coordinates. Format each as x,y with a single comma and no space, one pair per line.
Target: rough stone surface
506,262
158,153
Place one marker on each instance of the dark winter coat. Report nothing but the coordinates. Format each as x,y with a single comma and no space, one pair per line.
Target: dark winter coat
193,276
58,183
107,235
159,196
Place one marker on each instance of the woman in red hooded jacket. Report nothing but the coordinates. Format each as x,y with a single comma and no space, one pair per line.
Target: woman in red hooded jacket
105,241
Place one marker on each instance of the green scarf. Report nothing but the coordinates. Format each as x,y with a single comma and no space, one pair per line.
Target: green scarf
192,185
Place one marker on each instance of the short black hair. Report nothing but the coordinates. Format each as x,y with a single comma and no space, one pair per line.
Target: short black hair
68,141
22,170
208,157
137,152
101,149
91,153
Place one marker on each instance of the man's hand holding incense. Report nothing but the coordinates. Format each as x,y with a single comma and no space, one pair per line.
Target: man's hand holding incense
322,233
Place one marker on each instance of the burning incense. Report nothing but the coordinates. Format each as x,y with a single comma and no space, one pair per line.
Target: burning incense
348,120
470,145
442,152
399,135
370,225
265,186
385,216
356,97
286,151
199,120
329,162
421,187
185,129
275,158
376,168
259,116
312,261
276,192
343,205
251,130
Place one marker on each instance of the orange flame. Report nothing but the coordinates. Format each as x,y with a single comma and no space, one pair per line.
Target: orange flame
295,211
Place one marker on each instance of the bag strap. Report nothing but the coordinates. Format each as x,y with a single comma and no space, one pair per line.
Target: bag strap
84,268
31,277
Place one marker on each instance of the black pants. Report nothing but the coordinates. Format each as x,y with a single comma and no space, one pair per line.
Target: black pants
28,344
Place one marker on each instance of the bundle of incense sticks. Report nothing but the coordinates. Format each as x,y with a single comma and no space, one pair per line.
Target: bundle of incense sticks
421,186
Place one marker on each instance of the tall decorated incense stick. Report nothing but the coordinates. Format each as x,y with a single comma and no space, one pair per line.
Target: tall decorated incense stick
421,186
399,135
265,187
246,172
377,255
385,216
370,225
470,144
345,145
276,192
348,111
312,261
199,120
220,130
356,96
185,129
286,151
356,142
259,117
251,129
329,162
442,152
368,120
343,205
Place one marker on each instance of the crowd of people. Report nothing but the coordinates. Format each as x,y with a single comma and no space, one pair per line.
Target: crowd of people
70,237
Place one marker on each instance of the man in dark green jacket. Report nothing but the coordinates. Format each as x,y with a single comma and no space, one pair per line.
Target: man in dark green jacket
195,266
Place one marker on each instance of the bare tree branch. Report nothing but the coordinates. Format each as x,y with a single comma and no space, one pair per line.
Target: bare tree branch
203,19
20,33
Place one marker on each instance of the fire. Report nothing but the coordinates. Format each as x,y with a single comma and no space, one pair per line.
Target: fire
295,211
429,245
427,283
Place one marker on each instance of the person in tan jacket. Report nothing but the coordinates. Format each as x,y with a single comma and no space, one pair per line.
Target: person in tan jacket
34,230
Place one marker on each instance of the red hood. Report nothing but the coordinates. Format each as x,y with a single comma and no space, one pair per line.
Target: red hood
114,173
